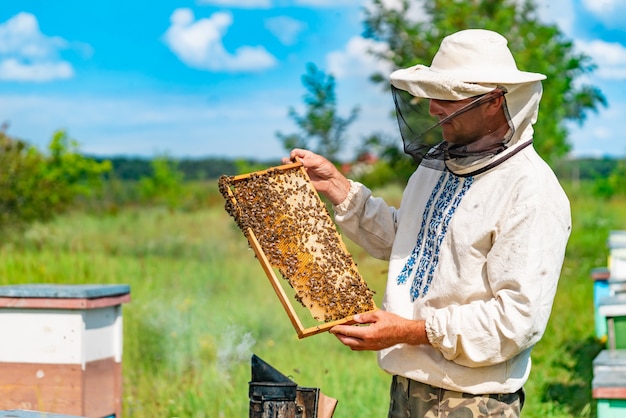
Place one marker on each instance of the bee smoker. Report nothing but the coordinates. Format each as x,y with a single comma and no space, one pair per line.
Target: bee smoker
274,395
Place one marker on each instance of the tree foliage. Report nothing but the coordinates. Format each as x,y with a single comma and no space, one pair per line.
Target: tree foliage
36,186
203,168
614,184
165,184
322,129
537,47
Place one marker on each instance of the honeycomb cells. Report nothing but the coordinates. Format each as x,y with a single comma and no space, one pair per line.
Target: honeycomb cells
299,239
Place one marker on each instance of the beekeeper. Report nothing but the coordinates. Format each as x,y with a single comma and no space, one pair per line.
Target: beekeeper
476,248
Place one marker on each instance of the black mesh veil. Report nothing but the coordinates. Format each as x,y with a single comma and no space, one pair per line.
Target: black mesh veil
422,133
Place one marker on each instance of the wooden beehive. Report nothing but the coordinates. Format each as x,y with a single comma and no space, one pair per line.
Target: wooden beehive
61,349
290,230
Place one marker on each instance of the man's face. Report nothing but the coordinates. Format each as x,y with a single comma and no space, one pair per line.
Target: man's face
461,129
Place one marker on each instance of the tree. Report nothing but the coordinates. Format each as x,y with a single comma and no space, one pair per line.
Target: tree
537,47
165,185
322,129
614,184
36,186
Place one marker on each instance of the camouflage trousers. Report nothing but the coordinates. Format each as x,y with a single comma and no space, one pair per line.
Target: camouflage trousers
411,399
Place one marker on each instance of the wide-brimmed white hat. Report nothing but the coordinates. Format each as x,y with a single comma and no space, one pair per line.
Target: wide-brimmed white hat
468,63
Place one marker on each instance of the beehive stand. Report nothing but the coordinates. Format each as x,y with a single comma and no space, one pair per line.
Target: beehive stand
290,230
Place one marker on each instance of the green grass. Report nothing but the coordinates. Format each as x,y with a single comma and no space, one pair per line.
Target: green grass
201,305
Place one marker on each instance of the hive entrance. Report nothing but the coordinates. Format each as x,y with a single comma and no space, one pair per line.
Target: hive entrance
291,231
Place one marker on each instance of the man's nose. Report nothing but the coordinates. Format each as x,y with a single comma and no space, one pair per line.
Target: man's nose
435,108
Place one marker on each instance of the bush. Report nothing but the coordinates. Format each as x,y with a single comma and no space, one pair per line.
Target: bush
35,186
165,186
614,184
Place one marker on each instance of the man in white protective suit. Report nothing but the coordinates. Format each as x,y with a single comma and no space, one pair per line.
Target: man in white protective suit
476,247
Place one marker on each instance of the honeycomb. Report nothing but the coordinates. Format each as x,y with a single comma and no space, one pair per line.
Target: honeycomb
299,239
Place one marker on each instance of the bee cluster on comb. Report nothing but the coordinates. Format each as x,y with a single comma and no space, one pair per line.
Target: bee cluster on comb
298,237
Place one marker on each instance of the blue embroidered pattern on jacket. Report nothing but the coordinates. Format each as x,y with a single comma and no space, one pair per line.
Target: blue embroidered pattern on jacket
440,207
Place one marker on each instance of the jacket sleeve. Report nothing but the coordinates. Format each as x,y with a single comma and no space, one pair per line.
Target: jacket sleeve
368,221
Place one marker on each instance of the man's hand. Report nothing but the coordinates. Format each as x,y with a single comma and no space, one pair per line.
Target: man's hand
380,329
324,176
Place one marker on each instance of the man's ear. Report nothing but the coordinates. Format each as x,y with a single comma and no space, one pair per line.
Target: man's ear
494,105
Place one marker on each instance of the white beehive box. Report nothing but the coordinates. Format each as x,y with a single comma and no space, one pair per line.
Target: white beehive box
617,255
61,348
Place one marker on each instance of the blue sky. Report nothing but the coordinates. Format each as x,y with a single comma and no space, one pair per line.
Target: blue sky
196,78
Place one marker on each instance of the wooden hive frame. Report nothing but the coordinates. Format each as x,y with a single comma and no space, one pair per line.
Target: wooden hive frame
290,230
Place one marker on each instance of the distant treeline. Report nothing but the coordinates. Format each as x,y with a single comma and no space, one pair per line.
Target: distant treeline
586,168
135,168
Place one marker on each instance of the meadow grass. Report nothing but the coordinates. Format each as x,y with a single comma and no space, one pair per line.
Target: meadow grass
201,306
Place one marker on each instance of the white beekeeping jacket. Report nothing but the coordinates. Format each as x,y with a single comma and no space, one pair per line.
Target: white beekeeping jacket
477,256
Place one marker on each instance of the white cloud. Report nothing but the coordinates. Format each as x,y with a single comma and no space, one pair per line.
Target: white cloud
598,6
559,12
266,4
353,66
199,44
610,57
599,136
285,28
610,12
146,125
244,4
415,12
355,60
14,70
328,3
28,55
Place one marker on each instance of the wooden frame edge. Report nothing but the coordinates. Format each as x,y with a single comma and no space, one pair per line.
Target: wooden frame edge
269,271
